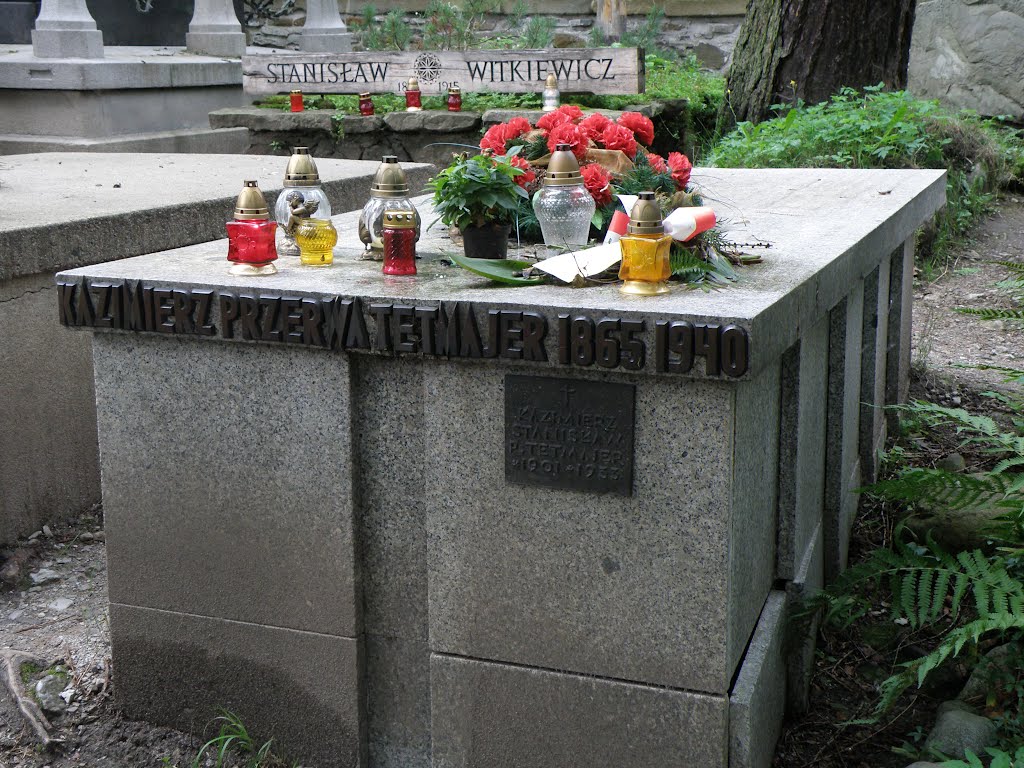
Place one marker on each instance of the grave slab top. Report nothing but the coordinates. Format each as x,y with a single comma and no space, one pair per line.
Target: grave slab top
122,66
72,208
827,229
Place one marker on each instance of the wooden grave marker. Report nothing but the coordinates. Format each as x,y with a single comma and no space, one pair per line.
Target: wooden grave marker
588,70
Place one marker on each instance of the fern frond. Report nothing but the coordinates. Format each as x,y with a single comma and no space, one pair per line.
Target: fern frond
938,487
939,415
1017,267
683,260
992,313
922,579
951,646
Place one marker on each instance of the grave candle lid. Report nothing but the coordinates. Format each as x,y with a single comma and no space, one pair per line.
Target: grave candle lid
563,168
301,170
390,179
251,204
645,218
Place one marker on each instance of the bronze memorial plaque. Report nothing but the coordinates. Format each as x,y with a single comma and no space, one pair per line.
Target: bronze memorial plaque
568,433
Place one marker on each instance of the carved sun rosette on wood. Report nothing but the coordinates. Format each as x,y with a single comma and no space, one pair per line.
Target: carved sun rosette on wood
428,67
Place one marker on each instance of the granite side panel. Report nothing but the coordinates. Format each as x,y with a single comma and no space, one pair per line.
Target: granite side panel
49,464
634,588
881,357
810,578
814,360
802,461
488,715
299,688
789,433
389,454
868,372
754,508
842,464
226,480
757,701
851,419
397,702
901,301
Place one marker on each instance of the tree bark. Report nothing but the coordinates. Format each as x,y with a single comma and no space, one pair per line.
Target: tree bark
809,49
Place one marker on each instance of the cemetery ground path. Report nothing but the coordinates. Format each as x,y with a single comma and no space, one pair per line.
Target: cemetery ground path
63,617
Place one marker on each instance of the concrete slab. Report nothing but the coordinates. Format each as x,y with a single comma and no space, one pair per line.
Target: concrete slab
783,295
104,114
94,207
757,701
122,66
300,688
252,518
207,141
485,714
46,420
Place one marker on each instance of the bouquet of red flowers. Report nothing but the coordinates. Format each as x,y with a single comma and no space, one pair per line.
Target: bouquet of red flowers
614,155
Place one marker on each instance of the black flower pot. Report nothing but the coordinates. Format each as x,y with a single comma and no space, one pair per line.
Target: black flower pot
487,242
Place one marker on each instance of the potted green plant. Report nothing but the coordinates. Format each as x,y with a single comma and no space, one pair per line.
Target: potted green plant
480,195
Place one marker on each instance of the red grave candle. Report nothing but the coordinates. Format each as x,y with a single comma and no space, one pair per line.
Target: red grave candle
412,96
251,242
251,233
454,100
296,101
365,104
399,236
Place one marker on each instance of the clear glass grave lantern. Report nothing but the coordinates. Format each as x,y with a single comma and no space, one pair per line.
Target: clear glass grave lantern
300,176
550,94
388,192
563,206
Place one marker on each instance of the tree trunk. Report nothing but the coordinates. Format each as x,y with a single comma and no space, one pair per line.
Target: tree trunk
611,19
809,49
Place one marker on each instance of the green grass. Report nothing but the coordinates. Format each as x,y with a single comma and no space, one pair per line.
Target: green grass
888,129
234,739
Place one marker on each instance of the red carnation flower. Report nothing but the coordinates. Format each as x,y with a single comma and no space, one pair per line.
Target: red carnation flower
524,178
617,137
657,163
681,167
594,124
552,120
641,126
574,112
598,183
516,127
570,134
494,139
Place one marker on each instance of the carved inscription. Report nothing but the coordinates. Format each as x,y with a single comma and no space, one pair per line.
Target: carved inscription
450,330
592,70
569,433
